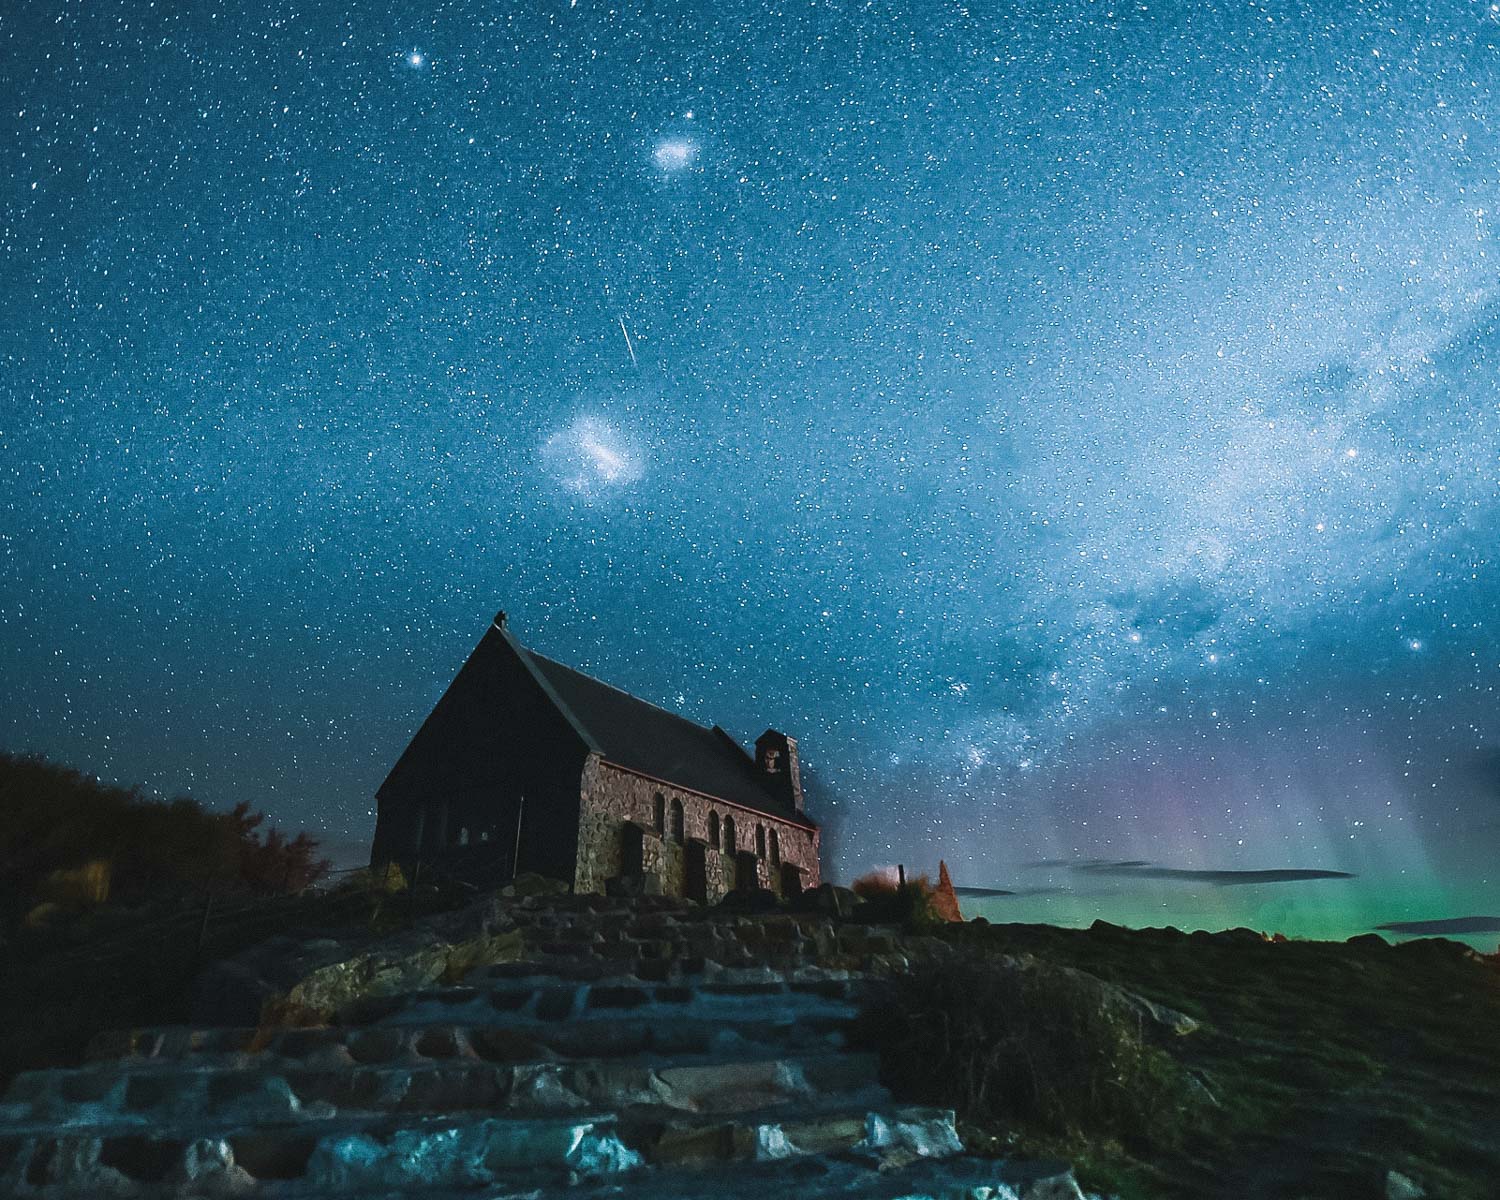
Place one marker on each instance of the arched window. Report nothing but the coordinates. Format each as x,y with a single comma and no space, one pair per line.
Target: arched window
760,841
713,830
659,822
775,849
729,845
463,835
677,830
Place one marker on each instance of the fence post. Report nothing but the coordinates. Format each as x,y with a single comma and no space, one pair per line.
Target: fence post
208,905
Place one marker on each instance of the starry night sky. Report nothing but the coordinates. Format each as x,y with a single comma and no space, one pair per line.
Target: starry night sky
1078,423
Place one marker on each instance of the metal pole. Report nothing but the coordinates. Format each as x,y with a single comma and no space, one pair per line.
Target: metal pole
515,858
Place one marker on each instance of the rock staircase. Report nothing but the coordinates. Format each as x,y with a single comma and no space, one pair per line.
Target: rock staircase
641,1050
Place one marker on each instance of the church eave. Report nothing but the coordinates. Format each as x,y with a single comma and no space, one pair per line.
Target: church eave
786,818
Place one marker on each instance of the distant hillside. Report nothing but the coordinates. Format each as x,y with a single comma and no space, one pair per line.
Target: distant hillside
68,841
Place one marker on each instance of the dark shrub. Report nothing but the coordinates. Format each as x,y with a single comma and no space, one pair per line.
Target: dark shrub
1028,1043
65,835
888,901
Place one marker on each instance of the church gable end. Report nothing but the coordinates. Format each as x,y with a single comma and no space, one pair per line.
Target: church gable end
489,785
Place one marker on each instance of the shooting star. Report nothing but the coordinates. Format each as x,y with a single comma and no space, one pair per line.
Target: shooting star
628,344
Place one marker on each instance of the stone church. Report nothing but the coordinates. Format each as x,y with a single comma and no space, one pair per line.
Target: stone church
527,765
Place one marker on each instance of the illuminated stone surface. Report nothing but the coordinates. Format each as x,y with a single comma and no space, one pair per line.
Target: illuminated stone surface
647,1043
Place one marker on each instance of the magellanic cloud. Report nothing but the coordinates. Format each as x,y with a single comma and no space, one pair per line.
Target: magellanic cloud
592,459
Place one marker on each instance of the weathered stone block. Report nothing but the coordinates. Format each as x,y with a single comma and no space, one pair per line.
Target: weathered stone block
140,1158
508,1046
617,997
556,1004
376,1045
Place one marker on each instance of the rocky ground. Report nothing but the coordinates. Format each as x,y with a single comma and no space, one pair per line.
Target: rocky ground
1330,1071
514,1047
442,1045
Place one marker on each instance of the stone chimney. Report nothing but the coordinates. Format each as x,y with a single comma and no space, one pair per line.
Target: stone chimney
776,763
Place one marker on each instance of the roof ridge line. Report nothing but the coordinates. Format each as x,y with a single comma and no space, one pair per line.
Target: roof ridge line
632,696
740,752
562,706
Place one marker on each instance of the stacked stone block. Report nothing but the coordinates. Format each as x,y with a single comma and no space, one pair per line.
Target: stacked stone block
638,1049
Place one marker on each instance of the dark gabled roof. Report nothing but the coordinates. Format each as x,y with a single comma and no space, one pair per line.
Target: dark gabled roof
658,743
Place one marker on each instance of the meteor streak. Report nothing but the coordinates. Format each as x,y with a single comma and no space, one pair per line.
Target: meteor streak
628,346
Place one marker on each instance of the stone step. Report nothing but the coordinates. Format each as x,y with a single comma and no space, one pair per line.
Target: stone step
811,1178
347,1158
223,1096
526,999
693,955
687,970
359,1156
540,972
688,954
844,1178
519,1001
670,944
813,1129
498,1038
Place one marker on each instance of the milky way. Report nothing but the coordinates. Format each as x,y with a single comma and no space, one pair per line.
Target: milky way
1079,426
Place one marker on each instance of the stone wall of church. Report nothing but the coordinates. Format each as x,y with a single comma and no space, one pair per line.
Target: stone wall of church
611,796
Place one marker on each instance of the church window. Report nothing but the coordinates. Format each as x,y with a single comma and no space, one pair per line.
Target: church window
660,821
677,822
713,830
729,843
775,849
760,841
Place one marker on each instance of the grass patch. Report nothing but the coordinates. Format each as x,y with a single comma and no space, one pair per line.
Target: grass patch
1024,1042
